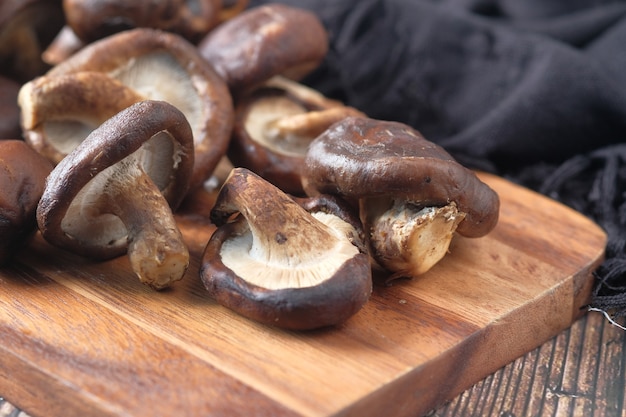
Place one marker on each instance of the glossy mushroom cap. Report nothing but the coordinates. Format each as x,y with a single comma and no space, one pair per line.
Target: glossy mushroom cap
164,66
265,41
59,112
274,126
367,158
412,195
22,179
96,19
115,192
281,264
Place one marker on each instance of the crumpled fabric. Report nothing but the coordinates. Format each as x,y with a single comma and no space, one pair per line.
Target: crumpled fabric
531,90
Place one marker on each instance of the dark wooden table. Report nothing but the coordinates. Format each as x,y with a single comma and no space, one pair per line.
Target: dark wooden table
580,372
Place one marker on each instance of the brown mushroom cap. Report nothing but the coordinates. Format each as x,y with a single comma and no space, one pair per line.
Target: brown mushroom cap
26,29
59,112
281,264
164,66
92,20
367,158
274,126
22,179
115,192
265,41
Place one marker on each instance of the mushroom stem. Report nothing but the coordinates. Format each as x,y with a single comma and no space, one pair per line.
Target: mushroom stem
157,252
277,233
310,124
406,238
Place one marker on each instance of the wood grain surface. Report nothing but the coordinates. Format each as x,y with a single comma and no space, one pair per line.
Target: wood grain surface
83,338
579,372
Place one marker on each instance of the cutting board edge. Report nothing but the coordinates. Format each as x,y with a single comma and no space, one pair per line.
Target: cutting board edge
580,287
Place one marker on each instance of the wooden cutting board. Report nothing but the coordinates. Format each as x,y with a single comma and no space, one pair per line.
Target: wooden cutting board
87,339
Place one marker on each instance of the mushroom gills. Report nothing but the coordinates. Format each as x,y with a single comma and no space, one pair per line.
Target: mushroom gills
65,135
98,215
407,238
159,76
262,124
276,265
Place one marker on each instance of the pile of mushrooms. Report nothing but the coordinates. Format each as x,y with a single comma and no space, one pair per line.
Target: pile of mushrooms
131,110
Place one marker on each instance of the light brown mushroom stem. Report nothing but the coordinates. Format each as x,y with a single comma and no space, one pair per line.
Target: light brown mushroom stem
64,45
157,252
302,92
281,229
407,238
310,124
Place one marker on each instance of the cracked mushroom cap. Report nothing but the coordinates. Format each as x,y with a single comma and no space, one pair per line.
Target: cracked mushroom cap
280,263
259,43
115,192
23,174
274,126
361,157
59,112
164,66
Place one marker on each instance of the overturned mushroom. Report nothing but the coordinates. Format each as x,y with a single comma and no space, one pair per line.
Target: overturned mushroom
164,66
274,126
115,192
265,41
281,264
58,113
23,174
413,195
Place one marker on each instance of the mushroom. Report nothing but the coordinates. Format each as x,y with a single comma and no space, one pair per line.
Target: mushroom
265,41
59,112
9,110
64,45
413,196
164,66
22,178
26,29
115,192
92,20
274,126
280,263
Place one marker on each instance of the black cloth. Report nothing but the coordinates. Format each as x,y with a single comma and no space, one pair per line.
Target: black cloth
531,90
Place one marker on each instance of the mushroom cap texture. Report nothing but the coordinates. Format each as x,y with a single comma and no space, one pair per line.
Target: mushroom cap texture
120,54
23,173
265,41
361,157
114,140
95,19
